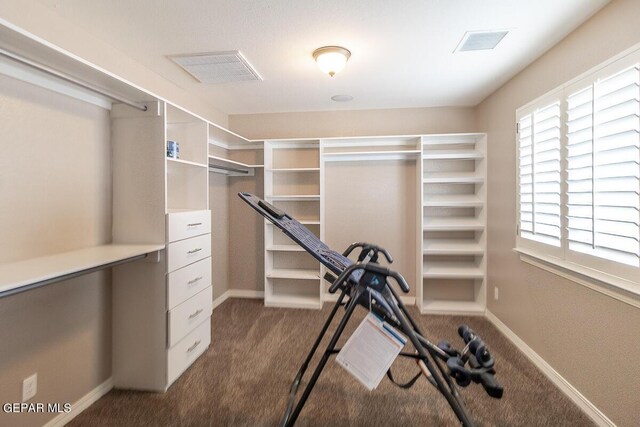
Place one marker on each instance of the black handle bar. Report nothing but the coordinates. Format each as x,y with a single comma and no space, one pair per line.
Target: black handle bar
366,247
373,268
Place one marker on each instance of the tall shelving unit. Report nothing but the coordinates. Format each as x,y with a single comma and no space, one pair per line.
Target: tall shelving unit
292,182
453,214
162,308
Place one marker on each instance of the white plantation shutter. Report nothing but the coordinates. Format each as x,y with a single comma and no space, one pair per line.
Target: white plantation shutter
616,168
539,173
580,170
603,168
525,140
579,175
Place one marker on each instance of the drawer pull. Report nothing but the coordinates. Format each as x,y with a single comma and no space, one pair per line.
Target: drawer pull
195,224
197,279
193,347
195,313
193,251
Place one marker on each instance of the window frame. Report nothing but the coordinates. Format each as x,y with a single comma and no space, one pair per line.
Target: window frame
605,272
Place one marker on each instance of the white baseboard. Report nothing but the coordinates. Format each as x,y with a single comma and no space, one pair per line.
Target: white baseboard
237,293
327,297
81,404
570,391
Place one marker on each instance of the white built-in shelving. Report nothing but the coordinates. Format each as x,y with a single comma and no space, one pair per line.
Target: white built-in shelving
292,183
452,251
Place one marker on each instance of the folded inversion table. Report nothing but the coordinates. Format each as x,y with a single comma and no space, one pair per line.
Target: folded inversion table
367,283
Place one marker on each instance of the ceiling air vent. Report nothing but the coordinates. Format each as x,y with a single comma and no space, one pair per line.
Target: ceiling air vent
480,40
217,67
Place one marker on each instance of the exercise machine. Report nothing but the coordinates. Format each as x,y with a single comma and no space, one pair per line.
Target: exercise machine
367,283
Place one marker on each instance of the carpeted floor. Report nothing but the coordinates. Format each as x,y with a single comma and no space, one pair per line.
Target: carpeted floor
244,378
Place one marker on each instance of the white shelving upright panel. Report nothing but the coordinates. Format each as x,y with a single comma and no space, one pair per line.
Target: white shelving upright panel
292,183
453,215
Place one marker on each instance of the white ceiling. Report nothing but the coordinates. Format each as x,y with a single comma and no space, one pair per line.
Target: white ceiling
402,51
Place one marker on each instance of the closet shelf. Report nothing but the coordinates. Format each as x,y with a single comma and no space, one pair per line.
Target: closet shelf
36,271
452,178
289,273
370,155
452,155
453,224
452,247
452,307
285,248
185,162
233,162
453,201
294,170
293,301
295,198
451,270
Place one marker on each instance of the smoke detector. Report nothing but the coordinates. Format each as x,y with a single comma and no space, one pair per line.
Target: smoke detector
480,40
217,67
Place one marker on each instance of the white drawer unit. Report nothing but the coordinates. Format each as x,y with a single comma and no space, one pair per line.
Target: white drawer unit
185,352
185,252
188,315
185,282
183,225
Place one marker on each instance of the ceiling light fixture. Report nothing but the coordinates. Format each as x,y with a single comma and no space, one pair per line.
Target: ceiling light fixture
331,59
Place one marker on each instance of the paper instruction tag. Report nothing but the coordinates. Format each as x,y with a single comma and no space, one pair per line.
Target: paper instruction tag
370,351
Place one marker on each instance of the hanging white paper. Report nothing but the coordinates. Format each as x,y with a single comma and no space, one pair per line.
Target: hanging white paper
370,351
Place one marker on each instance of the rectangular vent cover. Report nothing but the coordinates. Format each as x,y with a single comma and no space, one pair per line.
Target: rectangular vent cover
217,67
480,40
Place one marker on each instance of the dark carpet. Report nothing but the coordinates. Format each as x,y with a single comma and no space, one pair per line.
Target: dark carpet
244,378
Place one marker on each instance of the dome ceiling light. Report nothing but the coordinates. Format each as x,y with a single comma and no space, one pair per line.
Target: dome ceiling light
331,59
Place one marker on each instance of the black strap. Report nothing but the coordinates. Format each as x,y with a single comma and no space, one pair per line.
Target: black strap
407,385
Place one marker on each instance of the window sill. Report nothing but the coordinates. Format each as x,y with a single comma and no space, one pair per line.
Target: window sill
612,286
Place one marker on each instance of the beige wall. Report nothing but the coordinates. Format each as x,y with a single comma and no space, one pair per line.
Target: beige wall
589,338
43,22
55,182
405,121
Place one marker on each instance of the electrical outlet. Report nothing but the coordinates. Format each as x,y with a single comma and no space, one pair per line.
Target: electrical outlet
495,293
29,387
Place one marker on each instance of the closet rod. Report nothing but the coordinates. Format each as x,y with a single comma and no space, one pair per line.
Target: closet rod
70,79
225,168
56,279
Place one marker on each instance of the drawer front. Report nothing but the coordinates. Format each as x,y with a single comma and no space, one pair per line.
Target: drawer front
183,354
185,252
184,283
183,225
185,317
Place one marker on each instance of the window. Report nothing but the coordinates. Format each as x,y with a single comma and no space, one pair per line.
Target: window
579,172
